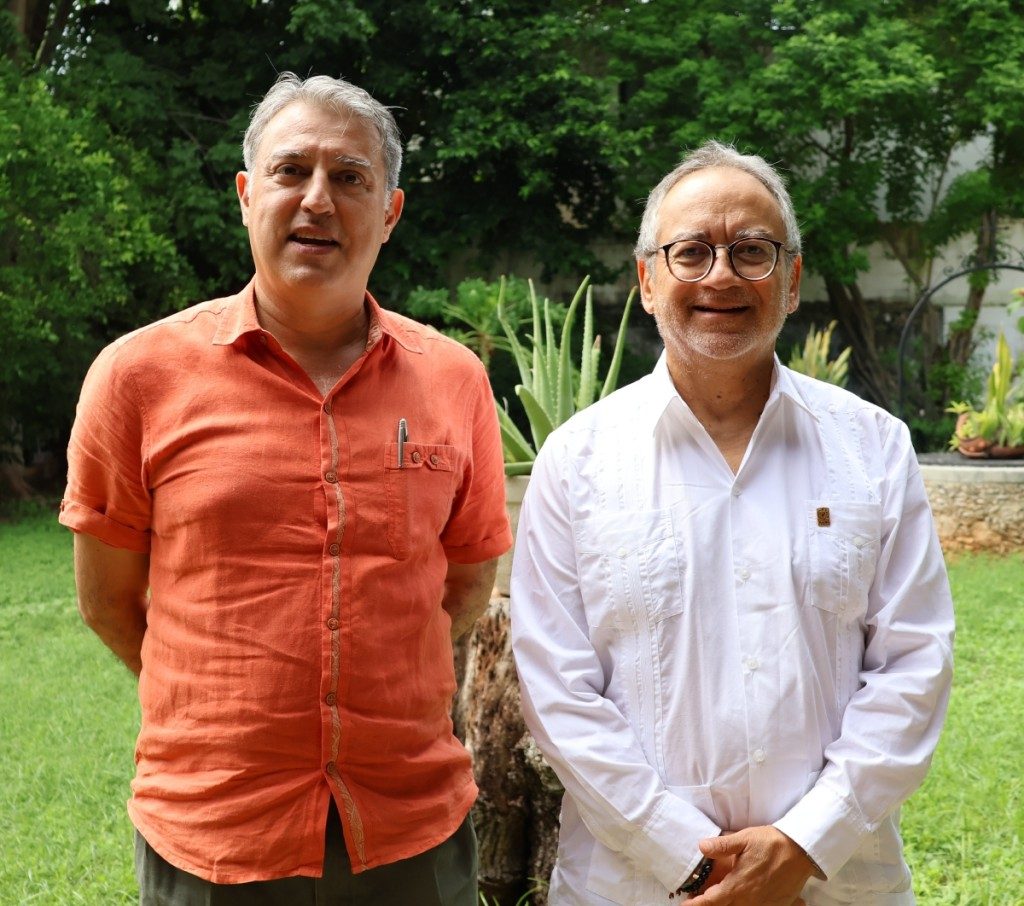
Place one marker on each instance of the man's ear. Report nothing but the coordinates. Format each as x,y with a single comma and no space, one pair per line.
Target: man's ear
242,188
793,291
645,276
393,212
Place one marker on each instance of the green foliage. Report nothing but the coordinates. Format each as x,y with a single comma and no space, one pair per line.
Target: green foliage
1016,304
552,388
472,318
84,253
813,360
1000,420
930,424
532,128
508,140
863,104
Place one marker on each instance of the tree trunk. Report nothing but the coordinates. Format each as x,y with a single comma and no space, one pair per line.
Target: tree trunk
41,25
858,324
13,479
960,343
516,814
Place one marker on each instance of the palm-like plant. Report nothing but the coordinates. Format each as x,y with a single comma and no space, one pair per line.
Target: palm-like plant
813,359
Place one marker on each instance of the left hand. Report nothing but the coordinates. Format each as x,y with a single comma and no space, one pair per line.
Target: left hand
768,869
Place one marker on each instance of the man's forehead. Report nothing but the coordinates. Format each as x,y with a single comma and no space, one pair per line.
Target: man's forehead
709,195
304,129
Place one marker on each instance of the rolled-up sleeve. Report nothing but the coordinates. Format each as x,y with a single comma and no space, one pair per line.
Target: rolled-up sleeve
106,494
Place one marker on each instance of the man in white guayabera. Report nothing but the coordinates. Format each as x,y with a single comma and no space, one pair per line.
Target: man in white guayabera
731,617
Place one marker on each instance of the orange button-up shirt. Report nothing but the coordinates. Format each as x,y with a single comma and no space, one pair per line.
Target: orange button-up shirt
296,646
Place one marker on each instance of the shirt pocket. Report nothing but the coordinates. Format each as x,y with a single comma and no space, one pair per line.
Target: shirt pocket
629,569
843,545
418,494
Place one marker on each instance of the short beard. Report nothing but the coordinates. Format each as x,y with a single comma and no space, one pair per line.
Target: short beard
724,346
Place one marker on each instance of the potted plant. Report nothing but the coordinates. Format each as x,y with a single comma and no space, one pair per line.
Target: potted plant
552,389
995,430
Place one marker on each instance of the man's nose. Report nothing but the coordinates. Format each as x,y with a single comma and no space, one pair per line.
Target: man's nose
722,272
317,196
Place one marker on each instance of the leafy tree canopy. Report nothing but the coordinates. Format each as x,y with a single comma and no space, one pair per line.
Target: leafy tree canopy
84,253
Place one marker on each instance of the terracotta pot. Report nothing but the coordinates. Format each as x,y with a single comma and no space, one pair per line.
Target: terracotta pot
979,448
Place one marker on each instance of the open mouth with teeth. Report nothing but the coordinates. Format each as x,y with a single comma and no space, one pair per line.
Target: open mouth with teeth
312,241
721,310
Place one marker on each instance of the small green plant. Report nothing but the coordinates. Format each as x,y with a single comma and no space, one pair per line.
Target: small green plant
1015,305
813,359
472,317
1000,420
552,388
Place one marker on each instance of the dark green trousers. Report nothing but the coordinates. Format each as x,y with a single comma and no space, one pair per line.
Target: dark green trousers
443,876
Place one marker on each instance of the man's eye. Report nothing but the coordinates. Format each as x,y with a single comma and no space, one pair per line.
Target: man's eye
350,178
751,251
689,251
288,170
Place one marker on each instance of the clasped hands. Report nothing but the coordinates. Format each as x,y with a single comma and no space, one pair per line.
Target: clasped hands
758,866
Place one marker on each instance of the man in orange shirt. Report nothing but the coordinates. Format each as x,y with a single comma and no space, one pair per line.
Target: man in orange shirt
286,504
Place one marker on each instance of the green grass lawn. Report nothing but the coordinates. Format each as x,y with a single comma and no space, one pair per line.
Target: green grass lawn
68,719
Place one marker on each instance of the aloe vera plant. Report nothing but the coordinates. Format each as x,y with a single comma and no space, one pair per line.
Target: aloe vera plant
552,386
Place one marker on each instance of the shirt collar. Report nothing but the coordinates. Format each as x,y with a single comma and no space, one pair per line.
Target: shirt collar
239,319
784,385
664,397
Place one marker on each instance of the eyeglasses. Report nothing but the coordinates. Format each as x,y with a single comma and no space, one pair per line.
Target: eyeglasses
691,260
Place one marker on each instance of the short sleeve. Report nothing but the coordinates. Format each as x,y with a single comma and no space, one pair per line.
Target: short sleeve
106,494
478,528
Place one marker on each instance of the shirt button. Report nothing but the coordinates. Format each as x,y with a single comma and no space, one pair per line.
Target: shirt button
329,767
331,699
434,459
331,476
622,552
263,339
416,456
327,406
751,663
859,540
743,574
334,549
759,756
736,491
333,624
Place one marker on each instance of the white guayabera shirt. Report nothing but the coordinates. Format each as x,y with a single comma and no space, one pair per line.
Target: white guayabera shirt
702,651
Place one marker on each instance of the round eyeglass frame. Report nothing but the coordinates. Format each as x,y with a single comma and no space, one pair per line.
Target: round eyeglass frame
775,243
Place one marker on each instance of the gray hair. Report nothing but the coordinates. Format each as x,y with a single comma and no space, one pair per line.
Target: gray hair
332,94
717,154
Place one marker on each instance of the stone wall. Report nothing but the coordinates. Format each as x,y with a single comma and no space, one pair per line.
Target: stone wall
977,507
